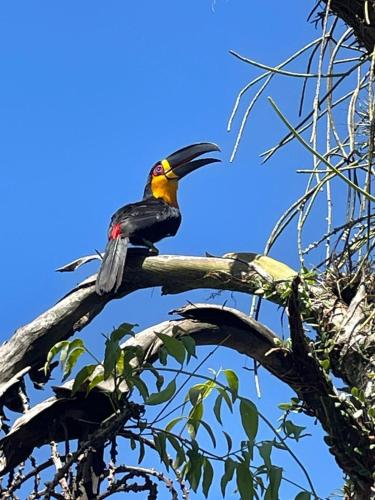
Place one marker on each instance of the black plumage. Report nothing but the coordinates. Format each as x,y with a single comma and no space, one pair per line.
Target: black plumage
143,223
155,217
148,220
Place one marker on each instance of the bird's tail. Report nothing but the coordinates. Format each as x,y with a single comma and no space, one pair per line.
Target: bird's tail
112,269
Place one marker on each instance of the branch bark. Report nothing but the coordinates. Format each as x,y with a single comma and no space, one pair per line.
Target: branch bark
360,15
26,351
68,417
64,416
347,437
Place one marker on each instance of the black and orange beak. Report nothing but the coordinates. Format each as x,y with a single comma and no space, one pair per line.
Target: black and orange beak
182,162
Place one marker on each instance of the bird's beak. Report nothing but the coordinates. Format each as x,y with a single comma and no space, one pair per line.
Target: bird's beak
182,162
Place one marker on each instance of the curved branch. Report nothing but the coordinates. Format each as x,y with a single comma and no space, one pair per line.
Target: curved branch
26,350
64,416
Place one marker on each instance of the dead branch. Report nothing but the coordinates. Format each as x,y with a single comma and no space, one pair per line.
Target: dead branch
26,351
63,416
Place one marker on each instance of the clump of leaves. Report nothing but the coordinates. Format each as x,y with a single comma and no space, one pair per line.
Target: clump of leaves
178,442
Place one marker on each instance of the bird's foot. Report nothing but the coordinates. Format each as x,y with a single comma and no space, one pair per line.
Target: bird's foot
151,247
153,250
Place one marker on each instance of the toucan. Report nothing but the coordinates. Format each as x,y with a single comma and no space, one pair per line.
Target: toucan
155,217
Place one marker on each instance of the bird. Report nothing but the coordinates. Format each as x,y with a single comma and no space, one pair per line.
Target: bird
153,218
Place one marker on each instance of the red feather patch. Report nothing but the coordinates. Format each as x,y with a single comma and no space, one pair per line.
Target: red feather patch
115,232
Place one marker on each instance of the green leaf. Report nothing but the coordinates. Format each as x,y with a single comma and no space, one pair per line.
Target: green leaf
65,349
82,376
275,476
180,454
159,382
111,355
303,495
293,430
248,454
189,344
72,358
245,483
217,408
208,387
325,364
229,468
140,385
174,441
259,481
161,448
180,459
195,417
54,351
232,380
161,397
173,422
208,474
159,378
265,449
141,452
122,330
209,432
95,381
194,471
162,354
128,354
226,398
198,392
249,418
285,406
173,346
195,392
229,441
120,364
196,413
354,390
279,445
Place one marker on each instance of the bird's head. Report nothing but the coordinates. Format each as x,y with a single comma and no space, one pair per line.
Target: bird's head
163,178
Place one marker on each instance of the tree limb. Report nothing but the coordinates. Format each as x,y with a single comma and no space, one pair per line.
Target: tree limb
348,439
64,416
26,350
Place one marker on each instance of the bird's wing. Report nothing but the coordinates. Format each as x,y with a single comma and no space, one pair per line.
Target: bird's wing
142,214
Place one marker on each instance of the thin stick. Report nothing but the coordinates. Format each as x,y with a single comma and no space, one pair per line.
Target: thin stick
316,153
265,75
275,69
287,138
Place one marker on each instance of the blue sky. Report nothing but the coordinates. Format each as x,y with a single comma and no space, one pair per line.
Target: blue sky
92,94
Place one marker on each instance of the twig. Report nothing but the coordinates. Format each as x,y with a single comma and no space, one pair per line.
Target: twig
59,465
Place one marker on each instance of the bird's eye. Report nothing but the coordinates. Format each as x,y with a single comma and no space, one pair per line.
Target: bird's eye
158,170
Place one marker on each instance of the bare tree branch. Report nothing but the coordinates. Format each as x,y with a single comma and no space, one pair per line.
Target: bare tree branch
65,416
26,351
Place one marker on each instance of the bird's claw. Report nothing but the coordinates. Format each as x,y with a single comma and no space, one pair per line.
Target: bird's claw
153,251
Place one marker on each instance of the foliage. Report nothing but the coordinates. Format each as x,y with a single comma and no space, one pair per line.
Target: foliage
177,442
